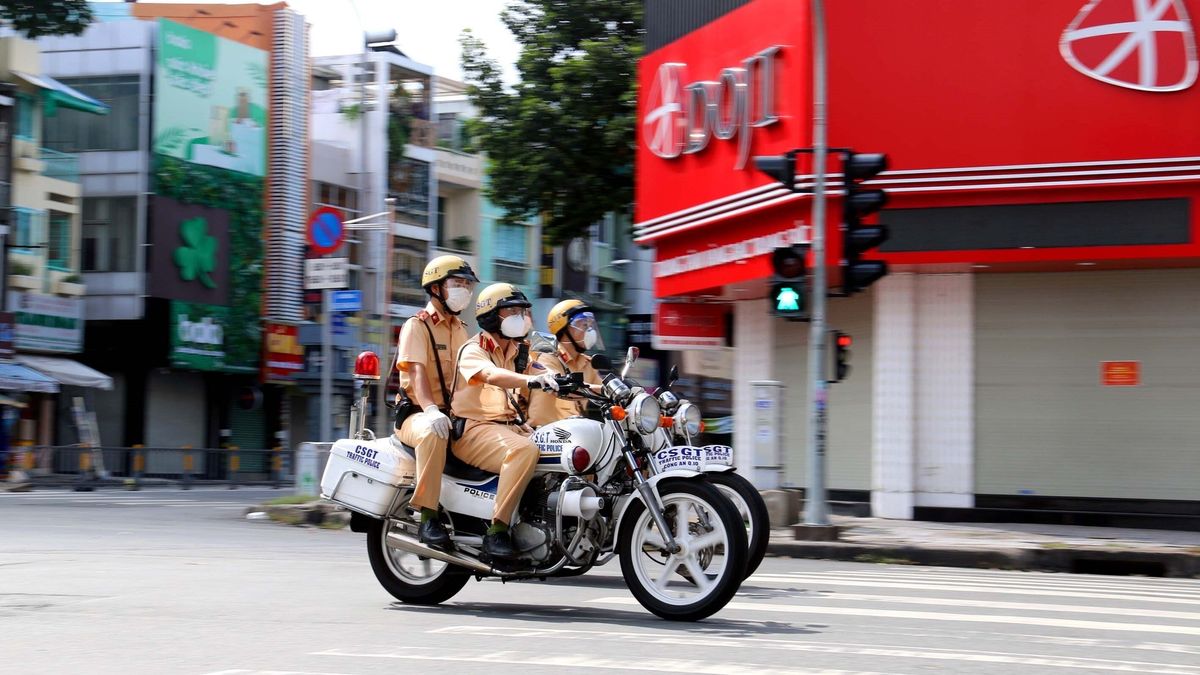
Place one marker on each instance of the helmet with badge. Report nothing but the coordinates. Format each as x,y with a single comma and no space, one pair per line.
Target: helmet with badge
574,321
495,298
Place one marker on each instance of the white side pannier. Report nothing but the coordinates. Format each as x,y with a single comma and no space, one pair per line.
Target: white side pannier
365,476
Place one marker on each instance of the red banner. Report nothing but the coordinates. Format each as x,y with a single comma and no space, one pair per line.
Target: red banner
284,355
685,325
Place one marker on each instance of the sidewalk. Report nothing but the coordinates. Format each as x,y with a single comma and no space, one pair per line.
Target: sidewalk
1017,546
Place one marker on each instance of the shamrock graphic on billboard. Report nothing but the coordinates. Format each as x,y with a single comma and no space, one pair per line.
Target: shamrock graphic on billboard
197,257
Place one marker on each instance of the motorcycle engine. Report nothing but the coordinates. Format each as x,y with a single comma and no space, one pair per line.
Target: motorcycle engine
532,540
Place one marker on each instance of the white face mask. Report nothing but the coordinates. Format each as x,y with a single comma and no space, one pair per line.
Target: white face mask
458,298
589,338
516,326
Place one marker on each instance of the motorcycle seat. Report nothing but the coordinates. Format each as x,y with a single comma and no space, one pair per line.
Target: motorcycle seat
456,468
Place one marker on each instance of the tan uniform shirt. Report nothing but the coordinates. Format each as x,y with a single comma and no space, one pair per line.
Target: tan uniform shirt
546,407
449,334
474,398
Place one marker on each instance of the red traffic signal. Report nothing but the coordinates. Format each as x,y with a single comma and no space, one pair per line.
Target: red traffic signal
841,355
844,340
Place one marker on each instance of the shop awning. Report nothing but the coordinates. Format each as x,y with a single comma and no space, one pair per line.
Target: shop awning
15,377
55,93
66,371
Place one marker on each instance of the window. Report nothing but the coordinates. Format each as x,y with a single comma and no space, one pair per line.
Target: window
409,184
441,222
27,227
26,108
59,257
109,234
408,262
447,130
510,243
76,131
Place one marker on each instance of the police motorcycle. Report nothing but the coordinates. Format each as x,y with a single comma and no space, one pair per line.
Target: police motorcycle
670,447
681,544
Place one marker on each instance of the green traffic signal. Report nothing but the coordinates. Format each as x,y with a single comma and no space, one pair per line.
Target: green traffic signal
787,300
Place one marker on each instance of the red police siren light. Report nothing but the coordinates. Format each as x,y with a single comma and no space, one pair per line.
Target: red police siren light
366,366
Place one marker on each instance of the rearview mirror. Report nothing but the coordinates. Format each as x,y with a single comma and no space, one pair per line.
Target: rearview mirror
673,376
601,362
630,356
543,343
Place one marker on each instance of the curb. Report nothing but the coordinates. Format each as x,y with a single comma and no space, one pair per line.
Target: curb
1071,560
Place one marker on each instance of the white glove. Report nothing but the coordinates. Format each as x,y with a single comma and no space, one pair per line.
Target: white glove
543,381
438,422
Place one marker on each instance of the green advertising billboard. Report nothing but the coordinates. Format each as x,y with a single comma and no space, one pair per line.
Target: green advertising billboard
210,103
210,153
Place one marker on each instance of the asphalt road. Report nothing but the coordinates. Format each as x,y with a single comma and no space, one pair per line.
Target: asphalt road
179,582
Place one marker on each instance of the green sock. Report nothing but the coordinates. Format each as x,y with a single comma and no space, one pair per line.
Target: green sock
497,527
428,515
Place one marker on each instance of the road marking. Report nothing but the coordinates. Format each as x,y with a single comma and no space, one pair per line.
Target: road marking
580,662
944,616
1026,606
856,649
1174,586
963,588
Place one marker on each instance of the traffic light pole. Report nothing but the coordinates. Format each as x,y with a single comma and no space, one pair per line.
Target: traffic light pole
816,507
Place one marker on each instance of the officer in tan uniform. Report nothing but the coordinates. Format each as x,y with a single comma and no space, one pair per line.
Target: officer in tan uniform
430,340
574,324
495,437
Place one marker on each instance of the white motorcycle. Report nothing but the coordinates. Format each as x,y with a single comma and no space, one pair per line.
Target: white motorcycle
671,448
681,543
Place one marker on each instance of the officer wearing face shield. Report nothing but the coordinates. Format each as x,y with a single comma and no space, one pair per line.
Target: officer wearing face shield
574,325
429,343
493,370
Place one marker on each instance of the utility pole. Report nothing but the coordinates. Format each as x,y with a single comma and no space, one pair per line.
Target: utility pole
816,507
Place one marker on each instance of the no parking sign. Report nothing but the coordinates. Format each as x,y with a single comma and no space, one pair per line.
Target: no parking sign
326,232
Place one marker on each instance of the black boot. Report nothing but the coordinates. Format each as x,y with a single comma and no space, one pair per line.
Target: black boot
498,545
433,534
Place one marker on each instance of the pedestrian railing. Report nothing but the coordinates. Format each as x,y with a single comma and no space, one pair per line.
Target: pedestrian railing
135,466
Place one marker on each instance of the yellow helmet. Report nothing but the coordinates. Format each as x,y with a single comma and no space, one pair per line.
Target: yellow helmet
560,315
444,267
492,299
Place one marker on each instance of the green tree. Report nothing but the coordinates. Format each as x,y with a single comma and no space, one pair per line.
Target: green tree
561,143
35,18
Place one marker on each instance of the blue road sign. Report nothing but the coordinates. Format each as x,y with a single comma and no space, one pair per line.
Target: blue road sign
346,301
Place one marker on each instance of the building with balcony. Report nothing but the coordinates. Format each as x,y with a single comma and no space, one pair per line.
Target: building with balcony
42,257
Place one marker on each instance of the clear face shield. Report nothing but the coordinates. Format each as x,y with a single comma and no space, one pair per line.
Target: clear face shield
585,331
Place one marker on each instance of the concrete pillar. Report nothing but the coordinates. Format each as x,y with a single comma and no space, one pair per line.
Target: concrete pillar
753,359
945,388
894,445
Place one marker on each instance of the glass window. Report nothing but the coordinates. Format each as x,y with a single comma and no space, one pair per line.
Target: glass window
27,226
109,237
441,222
26,107
59,257
409,184
408,262
77,131
510,243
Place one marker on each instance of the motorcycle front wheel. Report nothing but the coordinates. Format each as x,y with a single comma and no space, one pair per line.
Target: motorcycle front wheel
408,577
703,575
753,510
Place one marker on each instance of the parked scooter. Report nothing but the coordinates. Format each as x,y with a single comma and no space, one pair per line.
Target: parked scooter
681,543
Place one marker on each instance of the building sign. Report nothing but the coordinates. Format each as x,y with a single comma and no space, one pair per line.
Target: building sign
46,323
682,117
324,273
685,325
7,333
211,103
1148,46
1121,373
639,330
189,255
199,338
284,353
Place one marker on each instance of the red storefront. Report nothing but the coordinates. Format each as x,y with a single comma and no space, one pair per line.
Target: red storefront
1045,164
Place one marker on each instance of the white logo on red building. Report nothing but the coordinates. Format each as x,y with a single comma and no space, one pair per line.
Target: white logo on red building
664,123
1148,45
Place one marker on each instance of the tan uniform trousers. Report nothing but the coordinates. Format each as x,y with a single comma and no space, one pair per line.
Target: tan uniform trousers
431,459
502,449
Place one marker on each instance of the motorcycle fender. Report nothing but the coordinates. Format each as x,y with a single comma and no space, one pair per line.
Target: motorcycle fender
718,468
654,481
360,522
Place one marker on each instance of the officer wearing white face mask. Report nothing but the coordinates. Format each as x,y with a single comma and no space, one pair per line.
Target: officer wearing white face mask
493,370
574,324
429,344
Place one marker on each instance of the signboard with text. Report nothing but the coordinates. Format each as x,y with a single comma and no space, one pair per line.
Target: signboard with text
199,338
323,273
690,325
46,323
284,354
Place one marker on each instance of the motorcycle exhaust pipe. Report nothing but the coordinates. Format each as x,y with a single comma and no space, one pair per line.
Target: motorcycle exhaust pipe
411,545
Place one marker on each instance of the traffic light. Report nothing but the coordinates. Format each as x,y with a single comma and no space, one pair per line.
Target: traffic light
788,289
858,274
780,167
841,355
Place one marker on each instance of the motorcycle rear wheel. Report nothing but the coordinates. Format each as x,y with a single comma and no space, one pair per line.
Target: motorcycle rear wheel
753,509
408,577
700,579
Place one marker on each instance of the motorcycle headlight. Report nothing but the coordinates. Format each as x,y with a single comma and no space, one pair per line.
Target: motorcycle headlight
687,419
643,412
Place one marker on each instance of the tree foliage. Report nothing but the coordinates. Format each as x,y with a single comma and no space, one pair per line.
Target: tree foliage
561,142
35,18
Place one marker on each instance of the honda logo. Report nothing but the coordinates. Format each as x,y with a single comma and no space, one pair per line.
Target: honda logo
681,119
1148,45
